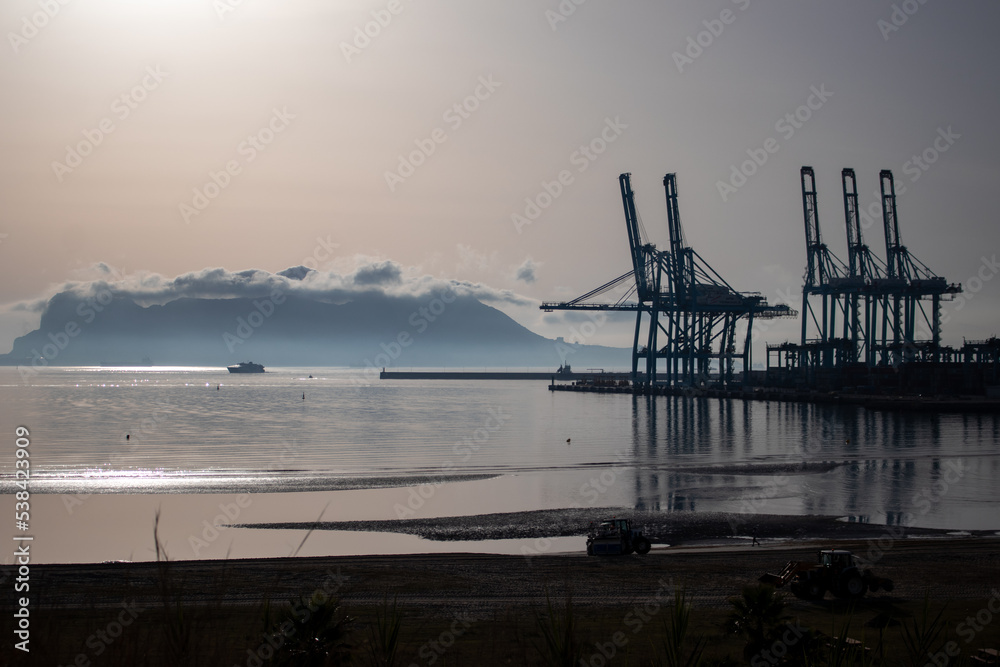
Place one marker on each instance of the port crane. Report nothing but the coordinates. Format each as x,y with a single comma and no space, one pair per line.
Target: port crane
867,277
865,293
828,278
910,284
676,294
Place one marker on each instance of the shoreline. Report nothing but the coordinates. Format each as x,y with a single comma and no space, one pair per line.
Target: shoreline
664,529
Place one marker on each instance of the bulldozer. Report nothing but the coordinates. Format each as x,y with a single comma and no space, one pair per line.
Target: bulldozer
836,571
616,537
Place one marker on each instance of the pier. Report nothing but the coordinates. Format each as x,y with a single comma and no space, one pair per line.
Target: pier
936,404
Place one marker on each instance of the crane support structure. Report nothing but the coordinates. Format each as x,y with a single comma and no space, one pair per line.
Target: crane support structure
890,312
826,280
910,286
677,294
867,273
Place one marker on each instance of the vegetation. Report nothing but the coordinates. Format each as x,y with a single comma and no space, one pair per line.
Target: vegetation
560,645
186,620
562,632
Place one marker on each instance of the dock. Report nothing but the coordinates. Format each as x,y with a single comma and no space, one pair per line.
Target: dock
930,404
504,375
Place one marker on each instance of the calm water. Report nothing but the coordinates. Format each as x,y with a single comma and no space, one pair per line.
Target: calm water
534,448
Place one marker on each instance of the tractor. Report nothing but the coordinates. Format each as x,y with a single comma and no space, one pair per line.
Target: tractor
836,572
615,537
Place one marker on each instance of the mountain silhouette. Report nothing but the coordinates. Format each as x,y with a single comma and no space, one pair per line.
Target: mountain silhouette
371,329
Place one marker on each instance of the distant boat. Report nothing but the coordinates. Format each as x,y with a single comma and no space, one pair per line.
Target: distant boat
246,367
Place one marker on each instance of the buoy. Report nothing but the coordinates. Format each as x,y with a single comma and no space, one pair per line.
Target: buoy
127,436
303,396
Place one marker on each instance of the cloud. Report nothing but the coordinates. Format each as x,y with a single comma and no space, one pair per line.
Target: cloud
384,277
381,273
526,272
470,258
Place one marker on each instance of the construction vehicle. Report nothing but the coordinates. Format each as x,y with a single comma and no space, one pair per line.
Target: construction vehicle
616,537
836,571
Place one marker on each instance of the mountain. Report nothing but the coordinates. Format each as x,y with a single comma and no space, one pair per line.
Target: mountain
371,329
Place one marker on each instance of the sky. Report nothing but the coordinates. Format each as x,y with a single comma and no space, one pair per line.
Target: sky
482,142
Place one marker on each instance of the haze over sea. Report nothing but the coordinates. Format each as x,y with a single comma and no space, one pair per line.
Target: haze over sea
358,448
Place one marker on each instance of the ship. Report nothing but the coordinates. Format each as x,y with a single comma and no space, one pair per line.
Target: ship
246,367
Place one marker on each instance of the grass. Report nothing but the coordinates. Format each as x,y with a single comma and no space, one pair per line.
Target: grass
192,615
224,634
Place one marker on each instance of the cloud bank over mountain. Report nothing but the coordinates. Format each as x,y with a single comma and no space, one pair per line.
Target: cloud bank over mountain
377,315
380,277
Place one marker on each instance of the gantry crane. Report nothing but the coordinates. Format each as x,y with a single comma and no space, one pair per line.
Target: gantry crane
910,283
867,279
679,295
827,278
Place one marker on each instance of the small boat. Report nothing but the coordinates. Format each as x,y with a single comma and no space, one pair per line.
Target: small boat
246,367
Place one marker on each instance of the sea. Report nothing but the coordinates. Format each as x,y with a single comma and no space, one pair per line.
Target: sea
118,452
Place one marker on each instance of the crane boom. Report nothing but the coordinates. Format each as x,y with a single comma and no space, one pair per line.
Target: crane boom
637,247
815,267
893,249
855,245
682,270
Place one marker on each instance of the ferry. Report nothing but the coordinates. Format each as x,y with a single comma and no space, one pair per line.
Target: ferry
246,367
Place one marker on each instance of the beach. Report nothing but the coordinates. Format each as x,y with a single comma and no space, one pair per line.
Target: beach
486,607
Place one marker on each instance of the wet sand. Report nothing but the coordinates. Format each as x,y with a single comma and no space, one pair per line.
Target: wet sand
668,529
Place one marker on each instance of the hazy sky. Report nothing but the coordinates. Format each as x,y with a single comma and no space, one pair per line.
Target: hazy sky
115,113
